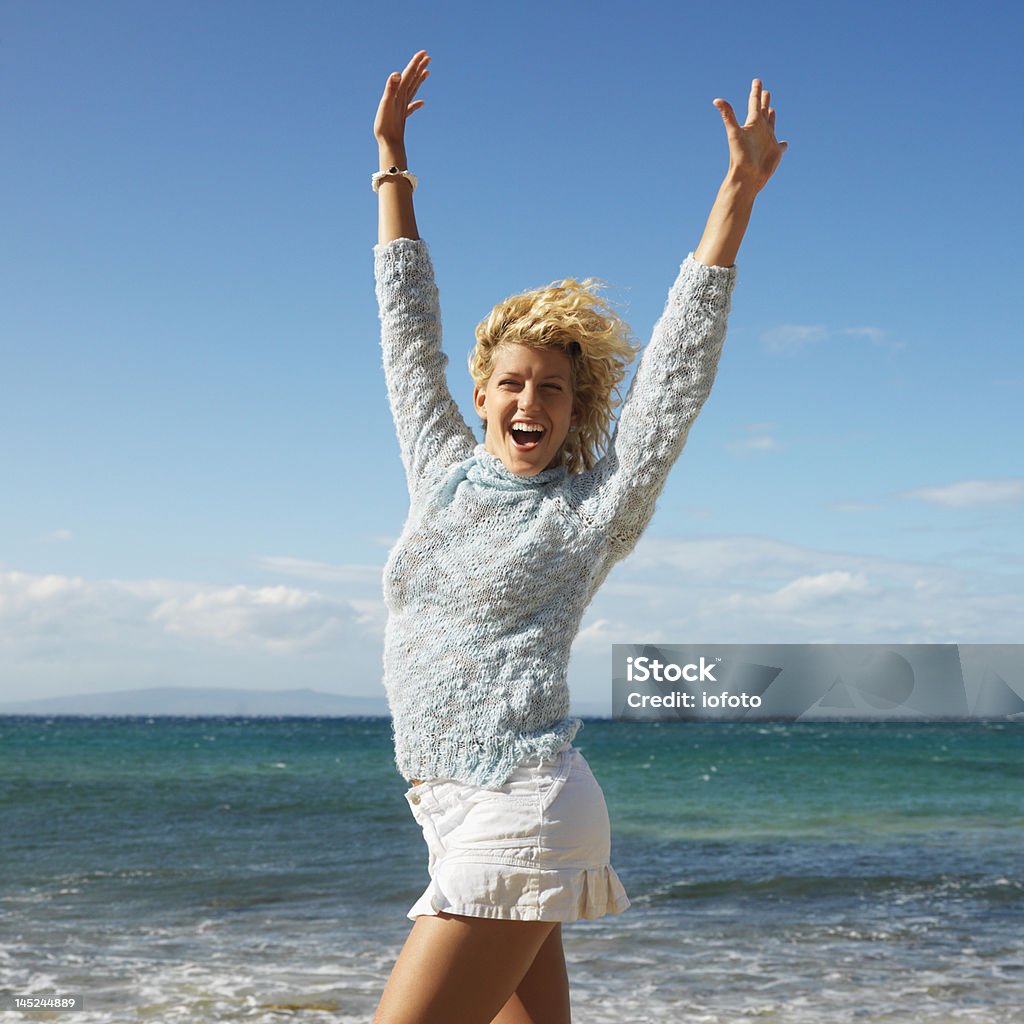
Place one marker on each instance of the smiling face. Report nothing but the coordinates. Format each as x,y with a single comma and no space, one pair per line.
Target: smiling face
530,388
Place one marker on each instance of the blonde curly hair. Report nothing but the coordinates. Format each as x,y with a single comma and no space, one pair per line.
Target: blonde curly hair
570,316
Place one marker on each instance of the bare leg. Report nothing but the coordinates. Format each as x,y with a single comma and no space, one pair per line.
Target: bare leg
543,995
459,970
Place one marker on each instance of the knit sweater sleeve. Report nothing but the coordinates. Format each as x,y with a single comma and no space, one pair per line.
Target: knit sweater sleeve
667,392
431,431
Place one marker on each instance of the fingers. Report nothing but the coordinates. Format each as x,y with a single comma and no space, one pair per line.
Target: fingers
409,80
767,111
754,101
420,76
759,105
728,115
417,69
402,86
411,76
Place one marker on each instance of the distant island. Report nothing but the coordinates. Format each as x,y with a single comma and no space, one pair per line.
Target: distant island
204,701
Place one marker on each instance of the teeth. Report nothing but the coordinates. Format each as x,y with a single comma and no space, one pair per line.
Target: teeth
528,426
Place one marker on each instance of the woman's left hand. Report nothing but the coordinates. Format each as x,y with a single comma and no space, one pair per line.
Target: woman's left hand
754,152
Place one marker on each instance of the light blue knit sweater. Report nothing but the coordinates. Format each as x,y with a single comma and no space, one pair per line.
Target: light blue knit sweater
489,580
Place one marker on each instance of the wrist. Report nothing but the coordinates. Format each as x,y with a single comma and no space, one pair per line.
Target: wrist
392,155
739,188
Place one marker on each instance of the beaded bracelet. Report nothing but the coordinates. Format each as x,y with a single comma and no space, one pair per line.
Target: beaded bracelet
377,178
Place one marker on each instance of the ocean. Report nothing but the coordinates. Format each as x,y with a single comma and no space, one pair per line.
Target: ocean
260,869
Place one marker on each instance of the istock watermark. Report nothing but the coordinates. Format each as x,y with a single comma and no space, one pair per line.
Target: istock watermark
859,682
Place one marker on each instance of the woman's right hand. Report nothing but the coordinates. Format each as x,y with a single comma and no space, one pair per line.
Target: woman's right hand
397,102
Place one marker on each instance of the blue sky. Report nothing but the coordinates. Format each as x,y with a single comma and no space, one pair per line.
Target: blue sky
200,479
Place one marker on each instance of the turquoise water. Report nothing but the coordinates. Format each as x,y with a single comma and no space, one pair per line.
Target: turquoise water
260,869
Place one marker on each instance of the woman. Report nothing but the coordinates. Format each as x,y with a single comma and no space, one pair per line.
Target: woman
504,546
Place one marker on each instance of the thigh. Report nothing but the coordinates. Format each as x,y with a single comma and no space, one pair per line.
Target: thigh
459,970
543,995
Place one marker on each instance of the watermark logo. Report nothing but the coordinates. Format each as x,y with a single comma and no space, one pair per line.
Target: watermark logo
642,669
859,682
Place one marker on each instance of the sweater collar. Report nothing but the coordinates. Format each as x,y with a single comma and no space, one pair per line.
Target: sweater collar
487,469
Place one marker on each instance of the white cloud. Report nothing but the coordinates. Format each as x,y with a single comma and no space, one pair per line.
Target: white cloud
26,599
594,637
325,572
757,590
698,513
371,614
793,337
807,591
970,493
758,443
790,337
46,615
56,537
714,559
280,619
854,506
873,334
761,439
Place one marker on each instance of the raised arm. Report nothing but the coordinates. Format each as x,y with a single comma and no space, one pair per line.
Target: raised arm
431,431
753,156
396,218
679,364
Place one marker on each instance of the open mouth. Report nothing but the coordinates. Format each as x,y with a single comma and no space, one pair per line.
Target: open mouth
526,439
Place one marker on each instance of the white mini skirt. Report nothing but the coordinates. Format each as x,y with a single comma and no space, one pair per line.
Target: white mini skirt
538,849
